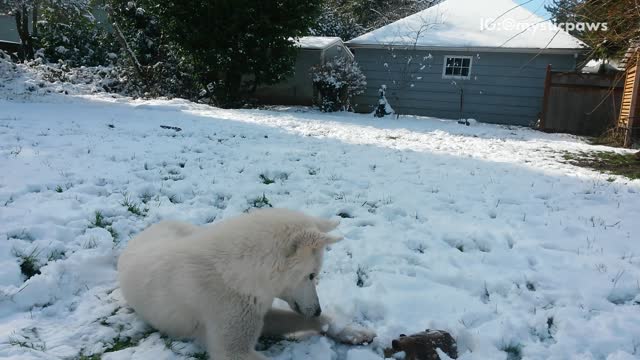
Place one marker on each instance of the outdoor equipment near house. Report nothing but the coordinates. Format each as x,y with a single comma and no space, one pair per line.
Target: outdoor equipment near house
10,47
383,105
629,120
9,37
422,346
8,31
429,59
298,89
581,103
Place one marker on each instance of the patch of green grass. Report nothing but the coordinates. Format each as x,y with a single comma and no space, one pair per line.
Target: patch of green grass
132,207
146,197
56,254
266,180
122,344
261,202
114,234
362,277
21,235
90,244
86,357
514,351
611,137
28,338
627,165
100,222
119,344
29,263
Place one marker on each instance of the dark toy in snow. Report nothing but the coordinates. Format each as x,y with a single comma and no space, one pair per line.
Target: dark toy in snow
171,127
423,345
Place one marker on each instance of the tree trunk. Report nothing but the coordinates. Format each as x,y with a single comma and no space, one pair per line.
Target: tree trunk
125,46
34,20
22,24
233,84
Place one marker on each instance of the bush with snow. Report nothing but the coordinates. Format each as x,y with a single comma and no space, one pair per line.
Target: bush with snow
334,22
68,32
337,82
150,64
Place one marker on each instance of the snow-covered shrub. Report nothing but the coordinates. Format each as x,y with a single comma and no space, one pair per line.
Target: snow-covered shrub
69,32
157,68
337,82
333,22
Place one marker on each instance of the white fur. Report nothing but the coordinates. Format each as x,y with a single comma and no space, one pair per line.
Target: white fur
217,283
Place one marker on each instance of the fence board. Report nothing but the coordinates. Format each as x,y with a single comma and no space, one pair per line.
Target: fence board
581,104
630,109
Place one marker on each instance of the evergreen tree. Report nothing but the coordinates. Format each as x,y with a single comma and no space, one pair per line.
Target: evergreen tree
334,22
68,31
148,59
351,18
235,45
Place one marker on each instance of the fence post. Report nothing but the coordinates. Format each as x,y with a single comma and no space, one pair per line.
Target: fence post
545,101
634,105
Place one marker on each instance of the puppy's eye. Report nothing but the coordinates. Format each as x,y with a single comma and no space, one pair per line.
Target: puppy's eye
312,276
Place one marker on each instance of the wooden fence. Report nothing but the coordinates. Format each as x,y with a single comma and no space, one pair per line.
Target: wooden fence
629,121
581,104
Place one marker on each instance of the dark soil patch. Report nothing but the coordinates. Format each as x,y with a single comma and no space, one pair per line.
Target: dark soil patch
607,161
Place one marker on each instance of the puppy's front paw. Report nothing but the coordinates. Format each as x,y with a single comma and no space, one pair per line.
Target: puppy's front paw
353,335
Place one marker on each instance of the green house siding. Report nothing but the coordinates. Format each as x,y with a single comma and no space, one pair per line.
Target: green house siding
504,88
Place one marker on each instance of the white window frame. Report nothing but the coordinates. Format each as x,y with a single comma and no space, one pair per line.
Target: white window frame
456,77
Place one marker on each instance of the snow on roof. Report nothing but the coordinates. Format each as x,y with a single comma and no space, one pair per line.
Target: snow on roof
316,42
593,67
472,24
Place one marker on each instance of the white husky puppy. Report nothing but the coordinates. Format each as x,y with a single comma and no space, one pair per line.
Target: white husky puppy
217,283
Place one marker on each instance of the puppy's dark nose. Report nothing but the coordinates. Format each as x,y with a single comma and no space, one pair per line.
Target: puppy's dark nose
318,312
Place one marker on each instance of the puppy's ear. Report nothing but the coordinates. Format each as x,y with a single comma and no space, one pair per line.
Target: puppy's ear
310,239
326,225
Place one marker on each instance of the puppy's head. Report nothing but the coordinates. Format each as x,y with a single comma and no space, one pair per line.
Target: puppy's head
304,260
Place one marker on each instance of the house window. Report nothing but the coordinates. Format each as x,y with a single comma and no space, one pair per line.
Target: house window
457,67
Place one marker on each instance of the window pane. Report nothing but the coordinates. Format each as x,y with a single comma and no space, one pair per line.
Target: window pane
448,71
466,62
456,71
465,72
457,62
449,62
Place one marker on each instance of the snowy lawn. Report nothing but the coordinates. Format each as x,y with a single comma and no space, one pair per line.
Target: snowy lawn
482,231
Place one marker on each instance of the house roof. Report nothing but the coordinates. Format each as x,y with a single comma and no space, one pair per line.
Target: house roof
316,42
471,24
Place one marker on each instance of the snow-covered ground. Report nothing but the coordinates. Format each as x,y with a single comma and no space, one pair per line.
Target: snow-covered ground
482,231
